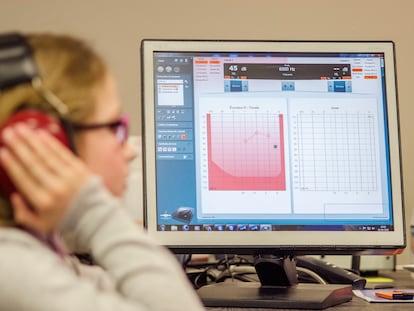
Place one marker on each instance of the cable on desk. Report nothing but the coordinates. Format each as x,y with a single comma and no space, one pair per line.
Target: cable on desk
239,268
312,274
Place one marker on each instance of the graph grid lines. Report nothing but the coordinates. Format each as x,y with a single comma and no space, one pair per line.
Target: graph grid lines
245,151
336,151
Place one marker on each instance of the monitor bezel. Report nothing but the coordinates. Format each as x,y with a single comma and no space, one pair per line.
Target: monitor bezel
292,242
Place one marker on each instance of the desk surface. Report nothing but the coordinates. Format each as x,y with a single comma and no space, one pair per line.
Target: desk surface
402,280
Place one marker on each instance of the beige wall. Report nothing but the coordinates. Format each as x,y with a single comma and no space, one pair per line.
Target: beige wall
116,28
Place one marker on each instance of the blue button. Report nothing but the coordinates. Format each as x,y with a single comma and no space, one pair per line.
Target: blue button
236,86
288,86
339,86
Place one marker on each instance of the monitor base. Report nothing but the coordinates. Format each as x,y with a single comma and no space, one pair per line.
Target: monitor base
253,295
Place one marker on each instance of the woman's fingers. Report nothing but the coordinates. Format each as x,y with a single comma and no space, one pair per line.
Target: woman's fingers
45,172
38,147
25,216
26,166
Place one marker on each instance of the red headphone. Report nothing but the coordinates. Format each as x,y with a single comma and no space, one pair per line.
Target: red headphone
17,66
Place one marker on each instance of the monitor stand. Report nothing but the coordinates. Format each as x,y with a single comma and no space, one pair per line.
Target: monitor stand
278,288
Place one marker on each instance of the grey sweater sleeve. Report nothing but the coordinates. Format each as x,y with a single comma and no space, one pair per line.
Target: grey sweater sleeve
145,274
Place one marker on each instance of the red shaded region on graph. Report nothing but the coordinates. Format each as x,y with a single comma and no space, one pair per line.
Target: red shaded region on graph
246,152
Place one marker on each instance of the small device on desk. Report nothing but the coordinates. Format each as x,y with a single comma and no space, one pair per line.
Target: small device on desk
396,295
403,295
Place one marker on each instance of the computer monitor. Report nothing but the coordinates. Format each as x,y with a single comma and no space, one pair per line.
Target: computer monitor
272,147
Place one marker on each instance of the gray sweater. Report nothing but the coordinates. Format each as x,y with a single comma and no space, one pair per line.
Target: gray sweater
137,274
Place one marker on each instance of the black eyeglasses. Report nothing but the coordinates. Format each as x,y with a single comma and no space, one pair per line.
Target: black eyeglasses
120,128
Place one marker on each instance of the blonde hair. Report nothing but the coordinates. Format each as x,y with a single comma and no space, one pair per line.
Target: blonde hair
71,70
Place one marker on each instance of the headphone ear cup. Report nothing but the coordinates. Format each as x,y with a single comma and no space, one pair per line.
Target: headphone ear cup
36,119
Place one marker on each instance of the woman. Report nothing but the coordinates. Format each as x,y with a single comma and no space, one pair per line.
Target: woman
77,197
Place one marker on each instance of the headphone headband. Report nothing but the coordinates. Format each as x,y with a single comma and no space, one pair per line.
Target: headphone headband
17,65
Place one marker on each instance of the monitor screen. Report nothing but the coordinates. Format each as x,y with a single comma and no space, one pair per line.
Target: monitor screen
272,147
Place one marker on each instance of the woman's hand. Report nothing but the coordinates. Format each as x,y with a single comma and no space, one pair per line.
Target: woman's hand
45,172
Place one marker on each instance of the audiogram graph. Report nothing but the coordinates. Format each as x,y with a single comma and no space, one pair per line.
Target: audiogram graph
336,151
245,151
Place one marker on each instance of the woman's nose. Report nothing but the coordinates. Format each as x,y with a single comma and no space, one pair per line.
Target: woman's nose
132,148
